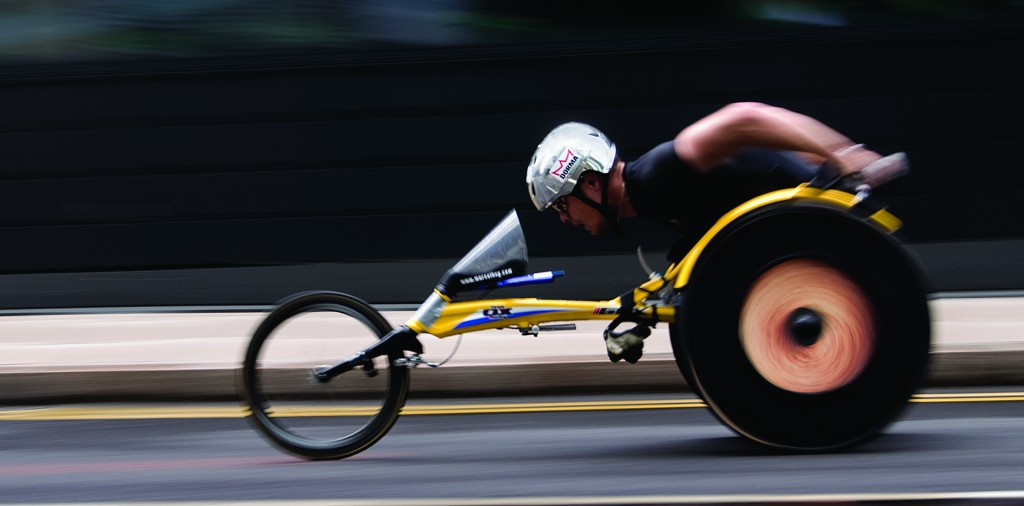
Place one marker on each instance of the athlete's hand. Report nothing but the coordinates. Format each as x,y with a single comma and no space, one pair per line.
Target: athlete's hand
628,345
852,159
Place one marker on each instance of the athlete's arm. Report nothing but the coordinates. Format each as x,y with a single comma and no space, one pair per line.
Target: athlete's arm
716,137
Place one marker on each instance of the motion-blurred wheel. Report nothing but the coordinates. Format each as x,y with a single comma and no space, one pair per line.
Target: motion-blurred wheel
804,328
307,417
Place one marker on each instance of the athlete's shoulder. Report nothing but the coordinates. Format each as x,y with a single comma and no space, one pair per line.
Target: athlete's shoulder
659,160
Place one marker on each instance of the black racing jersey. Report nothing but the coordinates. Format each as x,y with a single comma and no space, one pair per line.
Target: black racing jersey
670,190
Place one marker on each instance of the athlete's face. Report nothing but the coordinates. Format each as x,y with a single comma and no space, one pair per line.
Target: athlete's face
575,212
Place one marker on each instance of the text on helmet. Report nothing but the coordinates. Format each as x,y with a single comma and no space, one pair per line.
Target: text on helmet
565,164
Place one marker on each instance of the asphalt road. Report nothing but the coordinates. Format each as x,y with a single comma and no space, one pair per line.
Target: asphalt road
960,445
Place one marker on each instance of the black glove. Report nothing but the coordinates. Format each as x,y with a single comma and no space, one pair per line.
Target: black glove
628,344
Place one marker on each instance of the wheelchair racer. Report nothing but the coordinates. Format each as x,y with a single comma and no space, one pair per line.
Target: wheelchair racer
720,161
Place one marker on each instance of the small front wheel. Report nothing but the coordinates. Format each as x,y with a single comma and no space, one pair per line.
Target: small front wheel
321,419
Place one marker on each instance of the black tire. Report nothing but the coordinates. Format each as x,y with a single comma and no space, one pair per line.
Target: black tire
682,361
308,418
804,328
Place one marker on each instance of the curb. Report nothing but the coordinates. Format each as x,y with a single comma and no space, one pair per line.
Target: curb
947,369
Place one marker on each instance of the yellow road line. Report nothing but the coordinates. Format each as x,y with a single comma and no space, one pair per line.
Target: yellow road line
120,412
553,407
970,397
178,412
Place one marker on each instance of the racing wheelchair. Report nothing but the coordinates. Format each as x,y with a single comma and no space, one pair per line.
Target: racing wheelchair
798,318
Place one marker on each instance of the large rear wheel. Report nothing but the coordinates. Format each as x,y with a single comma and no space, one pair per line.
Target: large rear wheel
303,415
804,328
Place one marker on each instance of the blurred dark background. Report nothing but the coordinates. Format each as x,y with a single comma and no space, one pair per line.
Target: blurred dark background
230,153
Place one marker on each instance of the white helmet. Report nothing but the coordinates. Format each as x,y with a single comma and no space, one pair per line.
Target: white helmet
562,156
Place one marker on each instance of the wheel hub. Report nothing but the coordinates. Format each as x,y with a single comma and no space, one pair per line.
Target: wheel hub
804,326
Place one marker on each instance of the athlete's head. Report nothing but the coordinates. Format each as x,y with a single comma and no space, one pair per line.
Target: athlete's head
567,152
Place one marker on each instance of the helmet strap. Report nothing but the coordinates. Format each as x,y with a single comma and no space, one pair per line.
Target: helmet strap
602,207
608,212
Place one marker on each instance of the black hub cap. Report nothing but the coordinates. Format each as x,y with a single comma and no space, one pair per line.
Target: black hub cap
805,326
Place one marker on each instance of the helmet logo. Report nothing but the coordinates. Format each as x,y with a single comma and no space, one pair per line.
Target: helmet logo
565,164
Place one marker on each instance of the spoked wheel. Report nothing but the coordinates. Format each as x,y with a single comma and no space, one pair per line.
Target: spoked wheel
307,417
804,328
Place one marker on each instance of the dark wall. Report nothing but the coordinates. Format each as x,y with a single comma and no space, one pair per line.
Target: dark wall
403,156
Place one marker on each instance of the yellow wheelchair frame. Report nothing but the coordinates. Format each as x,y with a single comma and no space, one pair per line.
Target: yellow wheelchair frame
453,318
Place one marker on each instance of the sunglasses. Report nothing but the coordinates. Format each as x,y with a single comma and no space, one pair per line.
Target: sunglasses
560,205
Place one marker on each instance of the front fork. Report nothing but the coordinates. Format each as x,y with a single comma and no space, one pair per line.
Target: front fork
398,340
